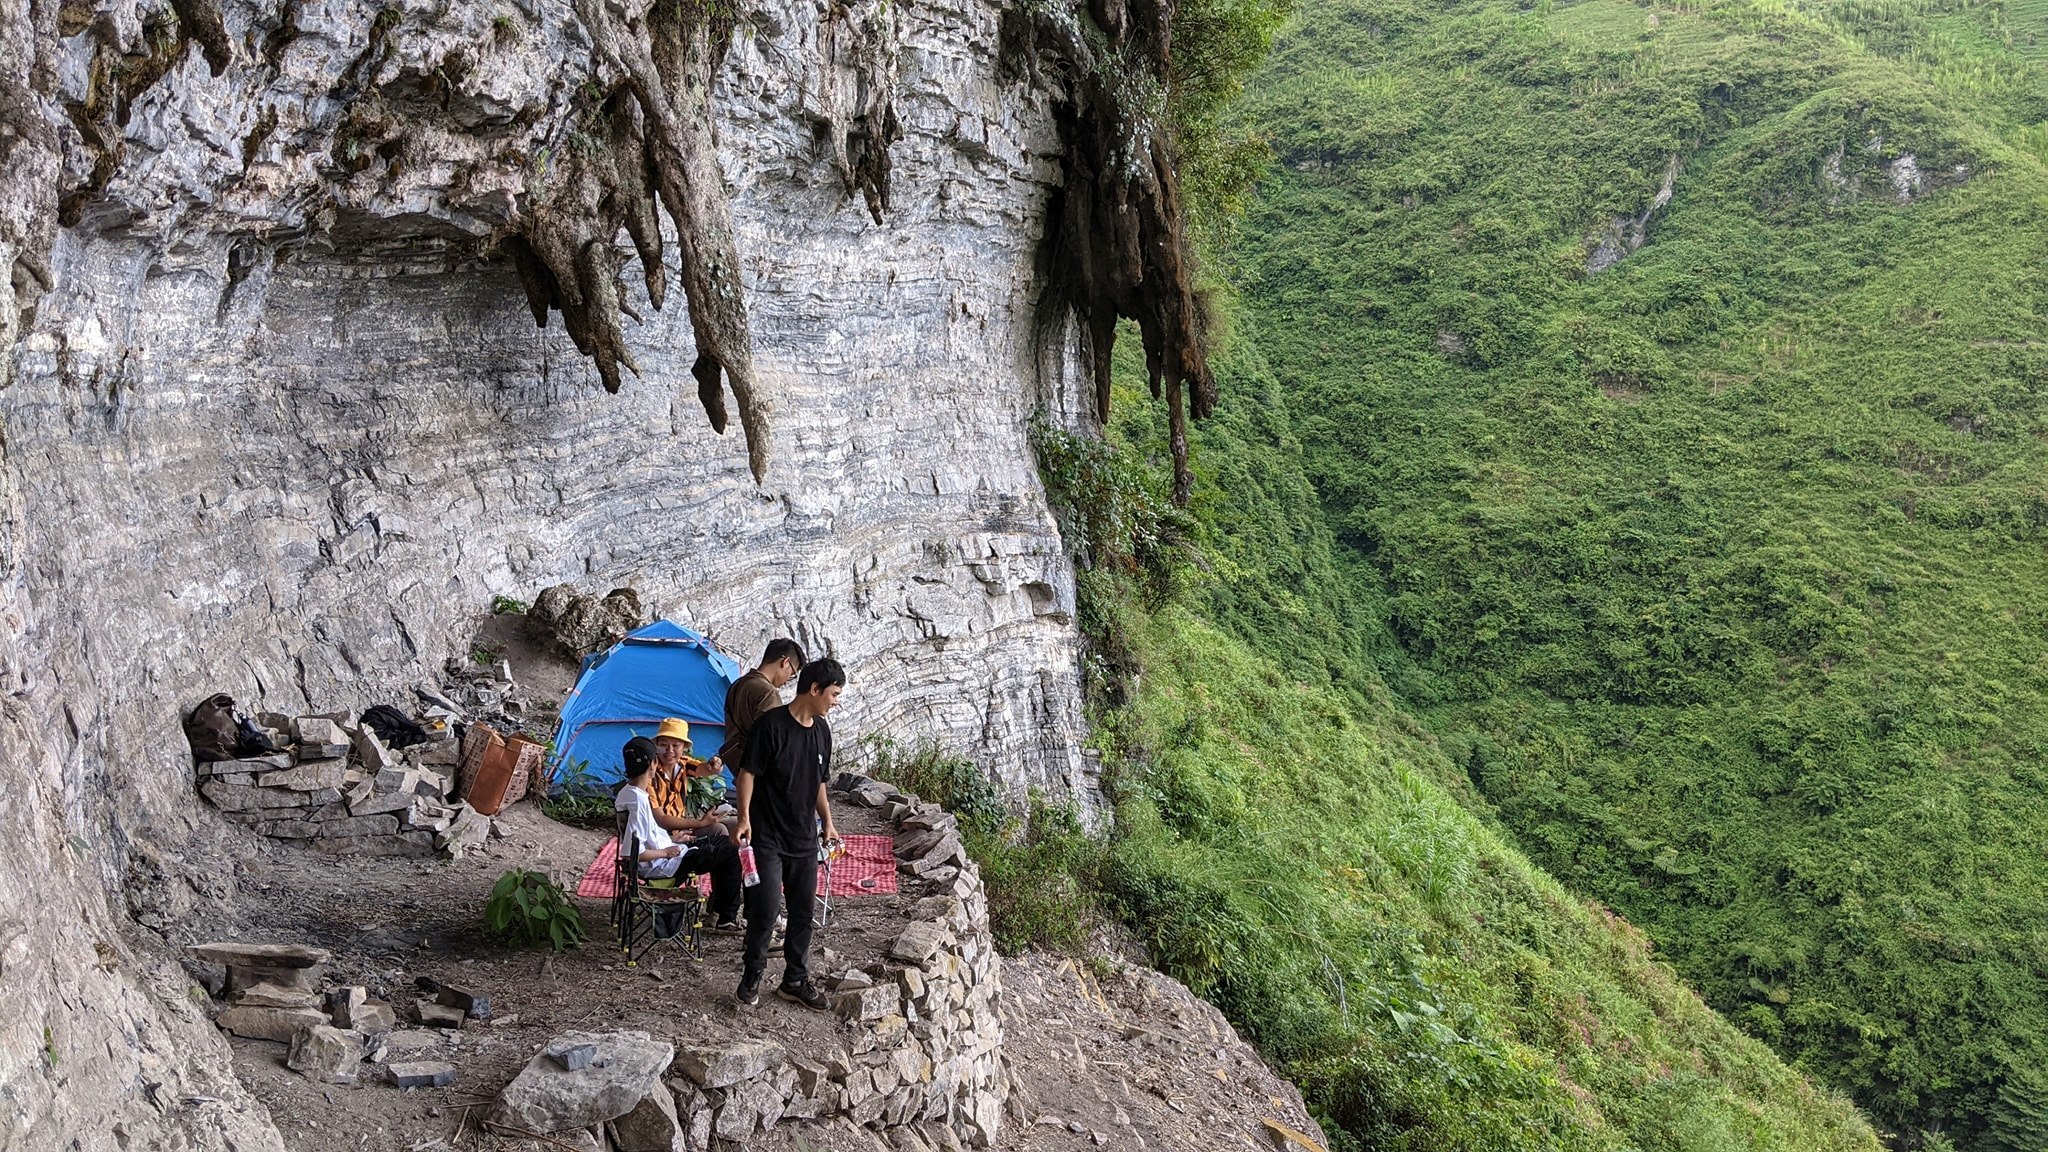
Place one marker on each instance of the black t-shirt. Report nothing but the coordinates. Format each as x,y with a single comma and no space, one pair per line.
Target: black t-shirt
788,762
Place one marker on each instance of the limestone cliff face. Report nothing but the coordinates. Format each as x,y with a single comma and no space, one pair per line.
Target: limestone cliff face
280,423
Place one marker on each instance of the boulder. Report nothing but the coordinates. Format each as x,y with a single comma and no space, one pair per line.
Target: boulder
325,1054
583,623
374,1016
547,1098
651,1125
726,1065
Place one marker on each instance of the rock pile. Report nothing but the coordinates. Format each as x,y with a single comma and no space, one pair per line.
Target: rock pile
275,992
341,790
924,1065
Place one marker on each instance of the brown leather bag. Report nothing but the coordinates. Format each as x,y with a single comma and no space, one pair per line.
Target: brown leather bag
211,729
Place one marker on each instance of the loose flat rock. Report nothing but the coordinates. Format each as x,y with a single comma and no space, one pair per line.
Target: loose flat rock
547,1098
573,1056
306,777
248,766
276,996
421,1073
318,730
240,978
438,1015
238,955
919,942
723,1066
279,1024
462,999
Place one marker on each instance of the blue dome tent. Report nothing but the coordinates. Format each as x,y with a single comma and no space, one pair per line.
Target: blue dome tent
661,670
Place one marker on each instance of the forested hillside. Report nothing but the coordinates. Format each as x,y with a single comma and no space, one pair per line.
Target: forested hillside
1669,381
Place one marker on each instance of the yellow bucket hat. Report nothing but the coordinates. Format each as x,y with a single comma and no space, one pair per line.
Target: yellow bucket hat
674,729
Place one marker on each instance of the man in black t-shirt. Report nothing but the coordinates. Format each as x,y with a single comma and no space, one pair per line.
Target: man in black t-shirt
782,799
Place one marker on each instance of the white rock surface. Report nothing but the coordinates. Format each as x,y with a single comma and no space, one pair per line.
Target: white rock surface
277,430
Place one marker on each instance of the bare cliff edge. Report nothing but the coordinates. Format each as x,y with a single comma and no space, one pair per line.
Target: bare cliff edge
278,420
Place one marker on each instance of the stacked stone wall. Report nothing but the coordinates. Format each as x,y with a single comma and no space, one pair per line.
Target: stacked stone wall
926,1061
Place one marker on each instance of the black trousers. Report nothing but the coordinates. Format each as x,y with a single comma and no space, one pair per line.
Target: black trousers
717,856
793,873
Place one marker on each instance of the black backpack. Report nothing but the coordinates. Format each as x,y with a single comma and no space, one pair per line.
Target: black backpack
393,727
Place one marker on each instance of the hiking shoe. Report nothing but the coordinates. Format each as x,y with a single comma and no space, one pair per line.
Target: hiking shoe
775,945
749,993
728,928
803,994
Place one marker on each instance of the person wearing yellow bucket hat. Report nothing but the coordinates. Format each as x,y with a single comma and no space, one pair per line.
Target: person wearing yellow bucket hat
674,770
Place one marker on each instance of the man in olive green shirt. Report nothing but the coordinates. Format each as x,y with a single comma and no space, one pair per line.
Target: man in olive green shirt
756,693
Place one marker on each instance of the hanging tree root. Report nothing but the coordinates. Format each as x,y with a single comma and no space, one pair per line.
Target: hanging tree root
853,106
1115,229
647,141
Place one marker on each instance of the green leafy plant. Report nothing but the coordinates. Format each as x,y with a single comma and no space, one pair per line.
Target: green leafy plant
528,907
1040,867
507,606
576,796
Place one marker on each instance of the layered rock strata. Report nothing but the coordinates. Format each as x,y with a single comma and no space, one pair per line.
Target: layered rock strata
280,424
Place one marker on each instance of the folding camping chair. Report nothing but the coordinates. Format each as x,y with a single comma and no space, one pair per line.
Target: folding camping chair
644,914
825,856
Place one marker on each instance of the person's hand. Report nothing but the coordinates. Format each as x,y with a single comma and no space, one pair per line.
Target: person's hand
674,850
715,763
831,834
744,834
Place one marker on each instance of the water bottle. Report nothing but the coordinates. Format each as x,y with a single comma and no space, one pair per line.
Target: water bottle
749,874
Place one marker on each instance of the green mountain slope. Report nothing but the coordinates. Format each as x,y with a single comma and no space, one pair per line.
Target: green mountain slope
1720,570
1298,849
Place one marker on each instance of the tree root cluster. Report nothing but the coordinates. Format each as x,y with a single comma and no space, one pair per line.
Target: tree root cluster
854,105
646,145
1116,228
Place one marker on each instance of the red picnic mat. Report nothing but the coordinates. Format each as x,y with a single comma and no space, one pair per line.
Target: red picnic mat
601,880
867,858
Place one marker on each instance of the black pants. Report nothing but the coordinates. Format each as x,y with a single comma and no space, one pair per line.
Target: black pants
795,873
718,857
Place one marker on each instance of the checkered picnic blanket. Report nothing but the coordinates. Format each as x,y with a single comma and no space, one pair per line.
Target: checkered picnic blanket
868,868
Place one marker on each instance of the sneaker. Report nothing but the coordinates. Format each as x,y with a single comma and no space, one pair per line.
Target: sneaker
775,945
803,994
749,993
728,928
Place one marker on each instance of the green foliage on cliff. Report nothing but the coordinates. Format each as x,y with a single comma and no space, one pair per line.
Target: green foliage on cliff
1299,851
1719,572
